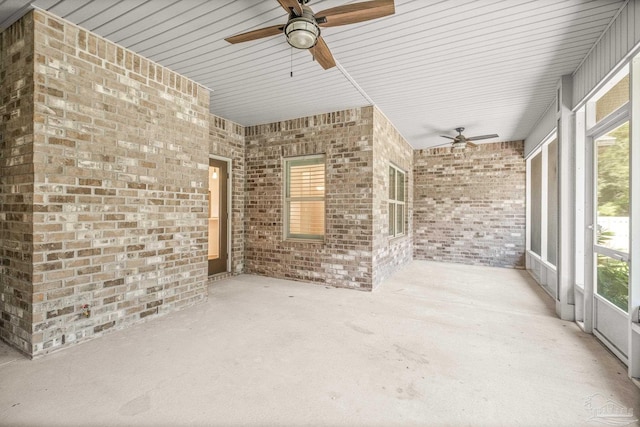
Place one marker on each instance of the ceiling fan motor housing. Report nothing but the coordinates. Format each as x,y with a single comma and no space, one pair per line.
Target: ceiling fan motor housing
302,31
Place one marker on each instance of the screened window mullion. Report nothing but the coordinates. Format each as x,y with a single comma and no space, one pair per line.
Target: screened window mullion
397,210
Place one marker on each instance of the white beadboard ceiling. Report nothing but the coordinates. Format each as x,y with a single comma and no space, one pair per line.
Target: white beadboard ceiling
488,65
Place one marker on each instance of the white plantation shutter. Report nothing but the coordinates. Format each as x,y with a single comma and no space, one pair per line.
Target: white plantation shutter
304,197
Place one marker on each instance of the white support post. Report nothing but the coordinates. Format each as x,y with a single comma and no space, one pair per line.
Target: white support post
544,204
565,264
527,260
583,242
634,192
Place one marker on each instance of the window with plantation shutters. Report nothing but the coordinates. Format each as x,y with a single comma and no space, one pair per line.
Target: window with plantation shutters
396,201
304,197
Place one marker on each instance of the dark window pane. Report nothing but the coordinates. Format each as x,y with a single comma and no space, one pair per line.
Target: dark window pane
536,203
552,201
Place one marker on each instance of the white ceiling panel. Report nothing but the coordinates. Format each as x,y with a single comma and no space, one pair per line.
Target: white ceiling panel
488,65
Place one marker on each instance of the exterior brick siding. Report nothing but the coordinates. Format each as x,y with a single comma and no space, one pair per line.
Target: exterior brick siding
344,258
119,197
389,147
103,198
469,205
16,184
359,145
226,139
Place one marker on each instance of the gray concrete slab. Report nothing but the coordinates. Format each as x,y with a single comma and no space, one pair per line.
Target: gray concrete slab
436,345
8,354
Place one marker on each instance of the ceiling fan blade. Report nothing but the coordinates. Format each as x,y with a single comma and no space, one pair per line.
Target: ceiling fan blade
291,5
471,144
446,144
476,138
322,54
356,12
450,137
256,34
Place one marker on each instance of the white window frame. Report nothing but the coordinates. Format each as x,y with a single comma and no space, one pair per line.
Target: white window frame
543,271
294,161
542,149
394,203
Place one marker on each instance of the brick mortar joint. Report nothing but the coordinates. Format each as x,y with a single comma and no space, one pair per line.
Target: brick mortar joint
49,15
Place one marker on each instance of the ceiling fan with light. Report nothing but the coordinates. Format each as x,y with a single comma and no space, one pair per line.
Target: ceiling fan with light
303,26
461,141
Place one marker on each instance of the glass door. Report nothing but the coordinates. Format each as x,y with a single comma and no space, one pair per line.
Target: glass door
611,238
218,217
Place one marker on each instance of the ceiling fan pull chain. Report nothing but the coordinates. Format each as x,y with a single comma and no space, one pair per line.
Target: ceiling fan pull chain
291,72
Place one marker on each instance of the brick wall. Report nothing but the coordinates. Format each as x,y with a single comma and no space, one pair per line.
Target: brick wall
469,205
226,139
345,257
119,223
16,183
103,195
389,147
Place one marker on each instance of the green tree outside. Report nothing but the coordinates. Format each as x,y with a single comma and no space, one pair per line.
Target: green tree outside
613,174
613,200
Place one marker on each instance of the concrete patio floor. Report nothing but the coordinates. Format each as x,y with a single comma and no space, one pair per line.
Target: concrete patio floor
437,345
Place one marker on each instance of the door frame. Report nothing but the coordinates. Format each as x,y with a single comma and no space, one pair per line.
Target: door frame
583,236
229,209
617,118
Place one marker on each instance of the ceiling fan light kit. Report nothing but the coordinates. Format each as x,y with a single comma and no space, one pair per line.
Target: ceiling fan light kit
302,32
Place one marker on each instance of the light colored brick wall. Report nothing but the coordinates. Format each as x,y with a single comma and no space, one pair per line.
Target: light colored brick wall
121,148
226,139
344,259
469,205
389,147
16,183
104,200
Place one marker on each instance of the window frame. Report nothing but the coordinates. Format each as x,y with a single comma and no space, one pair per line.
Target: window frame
288,162
543,151
594,126
395,204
